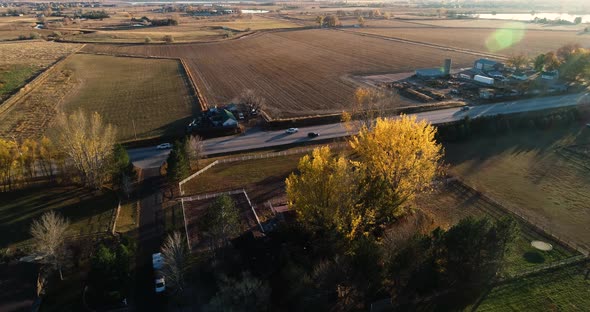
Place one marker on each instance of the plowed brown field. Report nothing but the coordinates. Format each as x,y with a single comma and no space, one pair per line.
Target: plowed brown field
500,41
299,73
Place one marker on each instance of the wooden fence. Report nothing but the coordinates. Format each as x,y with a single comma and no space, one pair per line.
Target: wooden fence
533,223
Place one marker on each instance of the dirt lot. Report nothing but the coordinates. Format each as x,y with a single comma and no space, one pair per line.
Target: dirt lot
299,73
129,93
527,172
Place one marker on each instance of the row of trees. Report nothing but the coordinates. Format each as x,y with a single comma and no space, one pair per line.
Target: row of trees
493,125
21,162
86,147
328,21
572,61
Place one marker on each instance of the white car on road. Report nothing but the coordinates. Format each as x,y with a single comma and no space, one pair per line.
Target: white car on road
291,130
160,284
157,261
164,146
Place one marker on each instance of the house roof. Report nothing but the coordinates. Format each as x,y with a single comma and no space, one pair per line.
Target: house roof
227,115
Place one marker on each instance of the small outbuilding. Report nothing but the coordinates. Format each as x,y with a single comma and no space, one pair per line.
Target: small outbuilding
488,65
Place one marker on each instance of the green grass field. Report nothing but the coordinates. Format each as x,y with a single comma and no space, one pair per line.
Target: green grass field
87,212
13,77
143,97
127,220
261,177
525,172
562,290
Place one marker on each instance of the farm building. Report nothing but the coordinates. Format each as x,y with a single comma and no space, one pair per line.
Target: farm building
430,73
488,65
467,74
222,118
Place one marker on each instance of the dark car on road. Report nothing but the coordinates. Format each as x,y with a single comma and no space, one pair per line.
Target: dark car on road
313,135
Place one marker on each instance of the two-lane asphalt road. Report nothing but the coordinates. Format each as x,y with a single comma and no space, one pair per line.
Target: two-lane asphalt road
150,157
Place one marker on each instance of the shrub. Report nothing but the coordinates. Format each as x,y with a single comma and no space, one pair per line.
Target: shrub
147,39
168,39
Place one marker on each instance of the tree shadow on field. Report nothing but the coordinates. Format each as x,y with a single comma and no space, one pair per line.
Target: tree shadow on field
175,129
533,257
480,148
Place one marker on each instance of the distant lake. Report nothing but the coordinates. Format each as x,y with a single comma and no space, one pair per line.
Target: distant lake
529,17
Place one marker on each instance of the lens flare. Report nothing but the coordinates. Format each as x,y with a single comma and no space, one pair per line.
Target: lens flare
505,37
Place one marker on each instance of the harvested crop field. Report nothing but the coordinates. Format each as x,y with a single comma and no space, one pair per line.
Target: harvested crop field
147,97
299,73
40,53
499,41
21,61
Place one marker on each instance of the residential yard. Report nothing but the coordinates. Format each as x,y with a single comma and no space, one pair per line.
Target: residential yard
562,290
262,178
88,212
526,172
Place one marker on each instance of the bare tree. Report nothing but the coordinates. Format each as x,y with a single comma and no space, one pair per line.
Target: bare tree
49,233
252,100
175,253
368,104
195,149
88,143
518,61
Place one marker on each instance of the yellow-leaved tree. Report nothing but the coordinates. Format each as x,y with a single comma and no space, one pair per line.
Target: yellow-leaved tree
87,141
324,192
398,158
394,160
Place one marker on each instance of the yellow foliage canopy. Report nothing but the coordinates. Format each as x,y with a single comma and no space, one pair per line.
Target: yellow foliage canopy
399,158
396,159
